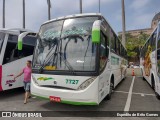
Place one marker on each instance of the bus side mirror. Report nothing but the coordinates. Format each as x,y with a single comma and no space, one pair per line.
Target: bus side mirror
96,31
20,39
20,44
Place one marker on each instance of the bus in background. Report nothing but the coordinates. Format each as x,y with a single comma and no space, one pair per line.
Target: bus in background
78,59
150,60
12,60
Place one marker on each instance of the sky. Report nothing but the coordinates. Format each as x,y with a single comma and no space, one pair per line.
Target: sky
138,13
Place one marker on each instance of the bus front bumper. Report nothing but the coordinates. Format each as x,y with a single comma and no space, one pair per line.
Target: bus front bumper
88,96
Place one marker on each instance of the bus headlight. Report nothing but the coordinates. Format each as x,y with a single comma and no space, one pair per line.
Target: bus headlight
86,83
35,81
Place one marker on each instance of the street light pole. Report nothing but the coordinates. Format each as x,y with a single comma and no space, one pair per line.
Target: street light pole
49,9
81,6
3,14
123,24
23,13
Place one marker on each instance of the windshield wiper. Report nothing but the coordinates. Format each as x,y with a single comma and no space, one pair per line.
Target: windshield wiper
55,54
89,36
45,61
70,68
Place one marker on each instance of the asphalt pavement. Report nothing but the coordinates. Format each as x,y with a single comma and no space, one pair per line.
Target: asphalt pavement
132,94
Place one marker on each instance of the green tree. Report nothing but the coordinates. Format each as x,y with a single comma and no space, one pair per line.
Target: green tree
133,45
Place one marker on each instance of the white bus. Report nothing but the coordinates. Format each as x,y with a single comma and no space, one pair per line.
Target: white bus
150,60
11,60
78,59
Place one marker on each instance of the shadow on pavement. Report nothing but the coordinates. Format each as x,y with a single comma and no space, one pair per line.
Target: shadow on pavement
11,93
68,107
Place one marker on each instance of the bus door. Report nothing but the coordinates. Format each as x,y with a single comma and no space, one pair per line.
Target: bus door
2,39
104,67
10,64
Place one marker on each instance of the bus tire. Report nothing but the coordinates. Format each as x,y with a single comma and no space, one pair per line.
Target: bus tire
144,79
108,97
157,96
153,83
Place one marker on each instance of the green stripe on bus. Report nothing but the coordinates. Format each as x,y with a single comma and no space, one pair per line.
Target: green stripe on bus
78,103
68,102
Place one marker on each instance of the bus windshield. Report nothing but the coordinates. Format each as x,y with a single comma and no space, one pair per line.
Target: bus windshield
66,45
2,35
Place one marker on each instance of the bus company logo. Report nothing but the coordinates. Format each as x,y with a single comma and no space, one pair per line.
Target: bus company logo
10,82
6,114
45,78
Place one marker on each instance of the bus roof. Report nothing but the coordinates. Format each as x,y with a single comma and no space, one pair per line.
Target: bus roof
150,35
72,16
14,30
80,15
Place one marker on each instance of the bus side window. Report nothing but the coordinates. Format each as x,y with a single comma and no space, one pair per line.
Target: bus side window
158,44
10,49
158,52
104,51
153,40
113,42
117,46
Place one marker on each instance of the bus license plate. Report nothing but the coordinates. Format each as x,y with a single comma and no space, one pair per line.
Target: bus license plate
55,99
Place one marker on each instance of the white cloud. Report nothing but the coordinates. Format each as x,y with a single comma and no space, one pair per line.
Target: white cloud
91,3
95,3
141,21
118,16
65,7
37,12
138,4
13,14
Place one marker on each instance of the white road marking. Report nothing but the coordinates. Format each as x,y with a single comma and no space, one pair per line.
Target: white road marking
136,93
128,102
143,94
121,92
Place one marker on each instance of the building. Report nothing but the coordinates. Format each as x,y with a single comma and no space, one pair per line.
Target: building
148,31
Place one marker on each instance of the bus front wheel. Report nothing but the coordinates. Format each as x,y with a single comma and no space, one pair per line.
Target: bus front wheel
153,83
108,97
143,78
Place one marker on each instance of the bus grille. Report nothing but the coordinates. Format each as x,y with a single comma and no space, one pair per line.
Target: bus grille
57,87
